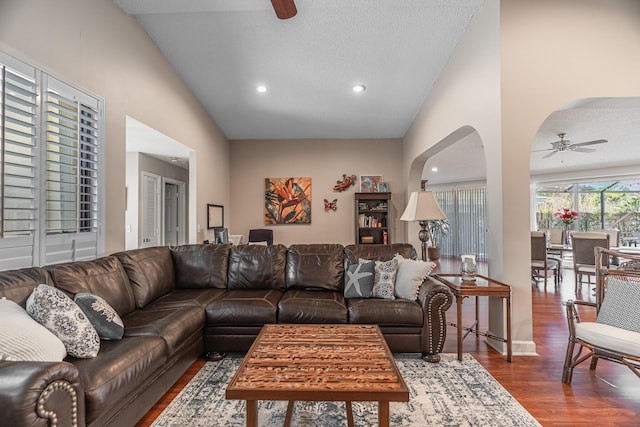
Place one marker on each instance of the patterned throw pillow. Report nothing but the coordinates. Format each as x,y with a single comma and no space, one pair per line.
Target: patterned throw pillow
385,278
410,276
54,310
359,280
102,316
620,305
22,338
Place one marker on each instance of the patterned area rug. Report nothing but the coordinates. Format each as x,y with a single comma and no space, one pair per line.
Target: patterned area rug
449,393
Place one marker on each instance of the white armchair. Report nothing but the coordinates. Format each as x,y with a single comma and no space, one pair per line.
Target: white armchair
615,335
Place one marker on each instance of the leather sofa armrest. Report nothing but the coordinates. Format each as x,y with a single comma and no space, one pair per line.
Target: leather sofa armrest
435,299
41,394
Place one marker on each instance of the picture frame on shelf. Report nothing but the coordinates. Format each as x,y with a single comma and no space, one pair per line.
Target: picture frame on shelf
383,187
215,216
370,183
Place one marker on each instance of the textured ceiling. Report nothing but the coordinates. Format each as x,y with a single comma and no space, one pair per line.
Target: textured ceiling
223,49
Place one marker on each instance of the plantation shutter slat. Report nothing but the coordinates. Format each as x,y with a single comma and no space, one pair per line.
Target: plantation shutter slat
17,151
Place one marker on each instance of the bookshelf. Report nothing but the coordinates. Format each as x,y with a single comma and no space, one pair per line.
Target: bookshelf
372,218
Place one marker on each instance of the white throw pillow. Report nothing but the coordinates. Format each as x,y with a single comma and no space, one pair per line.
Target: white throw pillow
54,310
410,276
22,338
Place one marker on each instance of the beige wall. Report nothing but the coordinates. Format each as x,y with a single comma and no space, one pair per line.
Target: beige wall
503,85
324,161
98,48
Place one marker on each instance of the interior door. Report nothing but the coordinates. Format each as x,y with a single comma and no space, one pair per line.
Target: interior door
150,210
171,214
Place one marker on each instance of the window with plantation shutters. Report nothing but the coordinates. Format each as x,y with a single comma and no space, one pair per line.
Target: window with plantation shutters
50,174
17,151
72,165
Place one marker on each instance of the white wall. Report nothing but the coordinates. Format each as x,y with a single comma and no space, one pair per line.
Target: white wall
97,47
324,161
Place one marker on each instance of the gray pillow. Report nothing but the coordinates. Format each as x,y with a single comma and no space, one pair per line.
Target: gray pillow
359,280
102,316
620,305
385,279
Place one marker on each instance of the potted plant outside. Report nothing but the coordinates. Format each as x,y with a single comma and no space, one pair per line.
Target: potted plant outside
438,229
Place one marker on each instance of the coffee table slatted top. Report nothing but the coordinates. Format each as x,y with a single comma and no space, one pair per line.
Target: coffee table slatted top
319,362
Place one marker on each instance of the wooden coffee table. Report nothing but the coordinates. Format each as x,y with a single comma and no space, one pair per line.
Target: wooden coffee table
318,363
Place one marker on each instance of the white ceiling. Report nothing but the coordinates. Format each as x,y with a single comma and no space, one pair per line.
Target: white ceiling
223,49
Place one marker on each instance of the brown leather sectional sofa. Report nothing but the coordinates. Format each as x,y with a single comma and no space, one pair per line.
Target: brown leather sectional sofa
179,303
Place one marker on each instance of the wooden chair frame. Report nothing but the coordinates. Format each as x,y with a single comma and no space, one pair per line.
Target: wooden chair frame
541,263
628,270
583,245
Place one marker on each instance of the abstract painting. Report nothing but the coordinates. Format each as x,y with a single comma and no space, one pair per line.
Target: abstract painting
287,201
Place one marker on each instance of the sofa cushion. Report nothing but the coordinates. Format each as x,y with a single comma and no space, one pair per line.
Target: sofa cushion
378,252
22,338
316,266
398,312
312,306
358,280
119,372
173,324
193,297
17,285
53,309
201,266
102,316
150,272
257,267
244,307
104,277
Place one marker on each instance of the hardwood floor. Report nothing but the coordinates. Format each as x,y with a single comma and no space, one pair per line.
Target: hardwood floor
609,396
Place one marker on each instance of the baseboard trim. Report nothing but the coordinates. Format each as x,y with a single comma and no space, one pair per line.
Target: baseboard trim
518,348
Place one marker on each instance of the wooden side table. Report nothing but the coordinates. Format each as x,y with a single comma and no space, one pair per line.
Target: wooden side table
482,287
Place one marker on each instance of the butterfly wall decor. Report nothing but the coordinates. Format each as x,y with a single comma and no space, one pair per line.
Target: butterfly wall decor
330,206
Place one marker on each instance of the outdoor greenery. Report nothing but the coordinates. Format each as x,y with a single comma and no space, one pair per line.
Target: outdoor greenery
611,205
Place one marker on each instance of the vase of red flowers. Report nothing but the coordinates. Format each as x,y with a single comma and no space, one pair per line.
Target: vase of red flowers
567,217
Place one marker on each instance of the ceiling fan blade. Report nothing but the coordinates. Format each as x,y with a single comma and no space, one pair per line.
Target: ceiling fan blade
549,155
583,150
597,141
285,9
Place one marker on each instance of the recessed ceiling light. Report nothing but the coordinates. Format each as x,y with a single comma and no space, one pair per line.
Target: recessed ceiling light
262,88
359,88
434,169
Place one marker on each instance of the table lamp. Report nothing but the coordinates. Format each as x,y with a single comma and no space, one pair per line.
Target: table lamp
423,207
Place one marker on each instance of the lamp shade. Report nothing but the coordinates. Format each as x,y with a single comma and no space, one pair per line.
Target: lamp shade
422,206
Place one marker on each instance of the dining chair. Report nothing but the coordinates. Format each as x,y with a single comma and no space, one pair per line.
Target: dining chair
541,263
615,335
258,235
555,236
583,248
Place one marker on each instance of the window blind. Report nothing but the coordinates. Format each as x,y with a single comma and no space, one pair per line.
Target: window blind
466,210
17,152
72,165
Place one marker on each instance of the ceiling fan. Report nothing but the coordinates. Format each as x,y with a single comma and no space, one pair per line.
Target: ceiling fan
564,145
285,9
